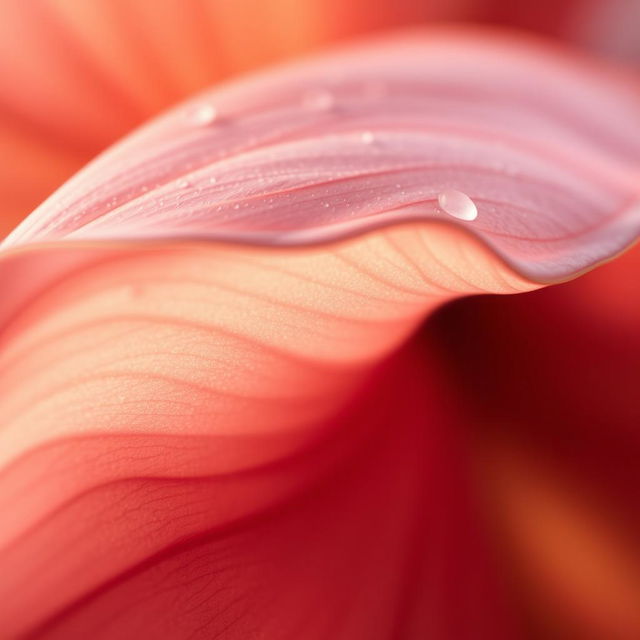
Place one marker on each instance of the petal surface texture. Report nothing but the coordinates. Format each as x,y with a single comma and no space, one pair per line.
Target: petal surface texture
205,432
75,77
374,135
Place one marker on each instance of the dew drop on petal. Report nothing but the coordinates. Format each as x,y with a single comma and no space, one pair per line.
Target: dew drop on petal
318,100
457,204
204,114
184,183
367,137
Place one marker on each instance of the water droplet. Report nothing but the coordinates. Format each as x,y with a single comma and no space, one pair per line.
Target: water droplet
204,114
236,206
184,183
367,137
319,100
213,180
457,204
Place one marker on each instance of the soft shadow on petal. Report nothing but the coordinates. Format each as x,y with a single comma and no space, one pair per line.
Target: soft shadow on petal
195,360
556,441
169,390
384,542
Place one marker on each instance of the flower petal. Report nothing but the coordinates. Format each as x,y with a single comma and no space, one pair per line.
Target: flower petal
372,136
145,370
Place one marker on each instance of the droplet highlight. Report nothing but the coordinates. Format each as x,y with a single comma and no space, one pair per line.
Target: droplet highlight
458,204
319,100
204,115
367,137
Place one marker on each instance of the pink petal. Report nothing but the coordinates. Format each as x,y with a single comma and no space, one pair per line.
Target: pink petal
371,136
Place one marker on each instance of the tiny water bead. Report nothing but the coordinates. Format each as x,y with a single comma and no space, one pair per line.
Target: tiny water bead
318,100
204,114
367,137
457,204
